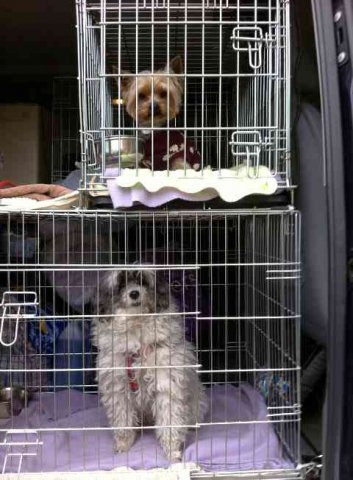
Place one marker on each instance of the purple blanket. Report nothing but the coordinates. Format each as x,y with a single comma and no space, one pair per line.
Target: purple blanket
236,447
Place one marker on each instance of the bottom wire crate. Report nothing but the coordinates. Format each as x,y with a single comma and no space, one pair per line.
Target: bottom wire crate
140,340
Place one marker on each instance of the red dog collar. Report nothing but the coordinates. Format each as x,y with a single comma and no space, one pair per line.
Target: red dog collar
130,360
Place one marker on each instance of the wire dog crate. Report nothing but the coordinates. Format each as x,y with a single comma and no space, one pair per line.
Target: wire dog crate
233,79
65,142
234,278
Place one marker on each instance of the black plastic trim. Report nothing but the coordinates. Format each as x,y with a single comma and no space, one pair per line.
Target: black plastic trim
343,15
334,168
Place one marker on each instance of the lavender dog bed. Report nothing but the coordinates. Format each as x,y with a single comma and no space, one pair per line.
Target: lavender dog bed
71,426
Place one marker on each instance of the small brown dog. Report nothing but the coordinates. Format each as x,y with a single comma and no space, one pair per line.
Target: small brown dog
146,97
153,101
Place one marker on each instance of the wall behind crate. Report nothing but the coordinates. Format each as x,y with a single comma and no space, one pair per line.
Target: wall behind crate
24,143
45,47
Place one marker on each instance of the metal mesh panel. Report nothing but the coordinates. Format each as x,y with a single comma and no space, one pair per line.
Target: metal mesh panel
233,278
65,143
234,108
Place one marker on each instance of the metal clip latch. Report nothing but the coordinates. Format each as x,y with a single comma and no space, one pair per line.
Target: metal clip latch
246,147
254,39
13,309
20,443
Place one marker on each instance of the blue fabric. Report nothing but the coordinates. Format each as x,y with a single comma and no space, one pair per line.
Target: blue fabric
42,332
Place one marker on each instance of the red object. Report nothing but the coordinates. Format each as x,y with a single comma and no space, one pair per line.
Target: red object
177,149
130,373
6,184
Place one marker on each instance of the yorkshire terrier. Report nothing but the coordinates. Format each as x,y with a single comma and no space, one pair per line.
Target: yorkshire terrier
142,106
146,368
153,101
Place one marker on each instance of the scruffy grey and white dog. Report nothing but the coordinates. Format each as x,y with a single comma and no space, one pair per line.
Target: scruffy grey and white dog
144,330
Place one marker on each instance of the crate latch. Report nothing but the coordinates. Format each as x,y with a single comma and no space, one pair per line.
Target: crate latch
246,148
15,306
20,444
251,39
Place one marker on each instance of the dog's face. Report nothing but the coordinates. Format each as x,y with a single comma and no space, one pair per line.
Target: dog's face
138,291
157,97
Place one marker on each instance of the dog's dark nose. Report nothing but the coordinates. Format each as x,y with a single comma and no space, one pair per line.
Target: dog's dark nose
155,110
134,294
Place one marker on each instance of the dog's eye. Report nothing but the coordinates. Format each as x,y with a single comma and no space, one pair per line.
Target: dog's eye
142,96
163,94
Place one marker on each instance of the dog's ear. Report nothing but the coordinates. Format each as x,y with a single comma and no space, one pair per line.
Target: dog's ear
162,293
148,277
109,284
176,65
101,298
120,280
126,80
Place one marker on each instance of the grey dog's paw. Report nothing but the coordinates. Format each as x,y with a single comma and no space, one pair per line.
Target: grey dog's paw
124,440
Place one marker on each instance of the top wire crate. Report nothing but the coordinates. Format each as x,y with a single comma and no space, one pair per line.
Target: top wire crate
232,75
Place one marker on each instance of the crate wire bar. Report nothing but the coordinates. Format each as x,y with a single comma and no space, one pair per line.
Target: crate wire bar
235,277
65,141
236,79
